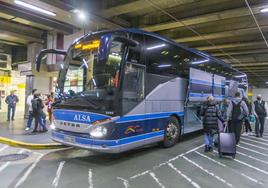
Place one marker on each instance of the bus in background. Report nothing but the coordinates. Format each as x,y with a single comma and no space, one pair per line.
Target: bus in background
121,89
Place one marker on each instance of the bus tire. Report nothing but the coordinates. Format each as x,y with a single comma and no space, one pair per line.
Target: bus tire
172,132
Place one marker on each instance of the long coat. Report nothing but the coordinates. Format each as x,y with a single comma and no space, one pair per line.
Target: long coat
211,113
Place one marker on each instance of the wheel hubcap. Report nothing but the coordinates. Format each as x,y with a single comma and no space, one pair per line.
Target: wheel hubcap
172,131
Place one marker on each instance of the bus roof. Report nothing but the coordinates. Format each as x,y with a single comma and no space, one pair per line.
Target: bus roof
139,31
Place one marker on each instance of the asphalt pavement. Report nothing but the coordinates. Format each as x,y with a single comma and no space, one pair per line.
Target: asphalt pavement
185,165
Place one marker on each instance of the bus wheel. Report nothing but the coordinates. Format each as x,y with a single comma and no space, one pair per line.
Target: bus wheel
172,132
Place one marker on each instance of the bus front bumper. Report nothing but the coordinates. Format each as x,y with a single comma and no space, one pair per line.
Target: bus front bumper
104,146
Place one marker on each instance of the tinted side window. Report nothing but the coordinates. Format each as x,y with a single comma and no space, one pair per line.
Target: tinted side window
167,59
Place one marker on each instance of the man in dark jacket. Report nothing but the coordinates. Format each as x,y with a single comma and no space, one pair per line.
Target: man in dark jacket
11,101
236,113
259,109
211,114
39,115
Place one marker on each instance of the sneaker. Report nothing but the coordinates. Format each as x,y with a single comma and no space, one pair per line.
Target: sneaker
210,149
244,134
27,129
250,134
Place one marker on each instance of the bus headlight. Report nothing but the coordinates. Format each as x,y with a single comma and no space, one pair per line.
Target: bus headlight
99,131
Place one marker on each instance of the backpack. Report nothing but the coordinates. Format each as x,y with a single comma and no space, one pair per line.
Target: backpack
236,112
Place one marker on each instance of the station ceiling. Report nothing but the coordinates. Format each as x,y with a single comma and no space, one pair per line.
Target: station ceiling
223,28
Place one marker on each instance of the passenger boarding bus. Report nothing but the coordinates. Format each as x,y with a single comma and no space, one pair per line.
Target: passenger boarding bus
122,89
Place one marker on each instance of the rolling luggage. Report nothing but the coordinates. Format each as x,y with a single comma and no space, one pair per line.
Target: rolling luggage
220,129
227,143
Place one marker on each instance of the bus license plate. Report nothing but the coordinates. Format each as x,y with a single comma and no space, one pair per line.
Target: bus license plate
69,139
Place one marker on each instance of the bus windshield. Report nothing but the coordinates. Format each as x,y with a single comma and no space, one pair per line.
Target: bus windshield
88,79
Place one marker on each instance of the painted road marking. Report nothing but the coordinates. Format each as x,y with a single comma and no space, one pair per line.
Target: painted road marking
228,167
219,163
252,150
254,145
28,172
166,162
6,164
184,176
3,148
58,173
251,157
125,182
208,172
156,180
90,181
266,144
251,166
256,138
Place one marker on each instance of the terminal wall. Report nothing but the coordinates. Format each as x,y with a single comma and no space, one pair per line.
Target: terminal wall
262,91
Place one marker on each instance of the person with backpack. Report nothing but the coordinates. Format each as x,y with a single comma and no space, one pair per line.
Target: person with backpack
211,114
236,113
259,108
247,119
39,115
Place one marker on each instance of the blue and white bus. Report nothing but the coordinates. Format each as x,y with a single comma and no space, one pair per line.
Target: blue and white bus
122,89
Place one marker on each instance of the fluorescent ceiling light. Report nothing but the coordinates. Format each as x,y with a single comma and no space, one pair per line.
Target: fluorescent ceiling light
82,15
264,10
156,46
200,62
166,65
240,76
34,8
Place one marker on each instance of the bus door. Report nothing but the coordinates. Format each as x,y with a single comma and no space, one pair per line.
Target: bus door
133,87
133,104
199,88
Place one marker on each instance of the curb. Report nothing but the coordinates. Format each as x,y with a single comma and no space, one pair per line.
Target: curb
31,146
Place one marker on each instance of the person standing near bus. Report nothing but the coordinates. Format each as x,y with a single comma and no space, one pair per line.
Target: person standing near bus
30,109
49,107
11,101
211,114
223,108
259,108
38,113
247,123
236,113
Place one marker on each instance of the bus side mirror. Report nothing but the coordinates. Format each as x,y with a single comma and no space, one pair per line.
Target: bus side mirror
44,52
128,42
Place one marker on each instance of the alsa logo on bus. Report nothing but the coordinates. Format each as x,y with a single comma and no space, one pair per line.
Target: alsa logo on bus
80,117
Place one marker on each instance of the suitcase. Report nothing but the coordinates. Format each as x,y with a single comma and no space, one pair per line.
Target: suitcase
221,126
227,143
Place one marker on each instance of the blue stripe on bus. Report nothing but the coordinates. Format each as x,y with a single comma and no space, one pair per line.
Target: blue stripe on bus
205,95
94,142
194,81
140,117
219,85
199,94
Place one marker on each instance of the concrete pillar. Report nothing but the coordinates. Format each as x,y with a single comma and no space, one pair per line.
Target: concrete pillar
32,50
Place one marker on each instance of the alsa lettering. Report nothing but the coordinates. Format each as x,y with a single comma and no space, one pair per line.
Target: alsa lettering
79,117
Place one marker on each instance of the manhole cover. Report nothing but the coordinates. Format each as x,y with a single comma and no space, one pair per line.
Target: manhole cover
13,157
